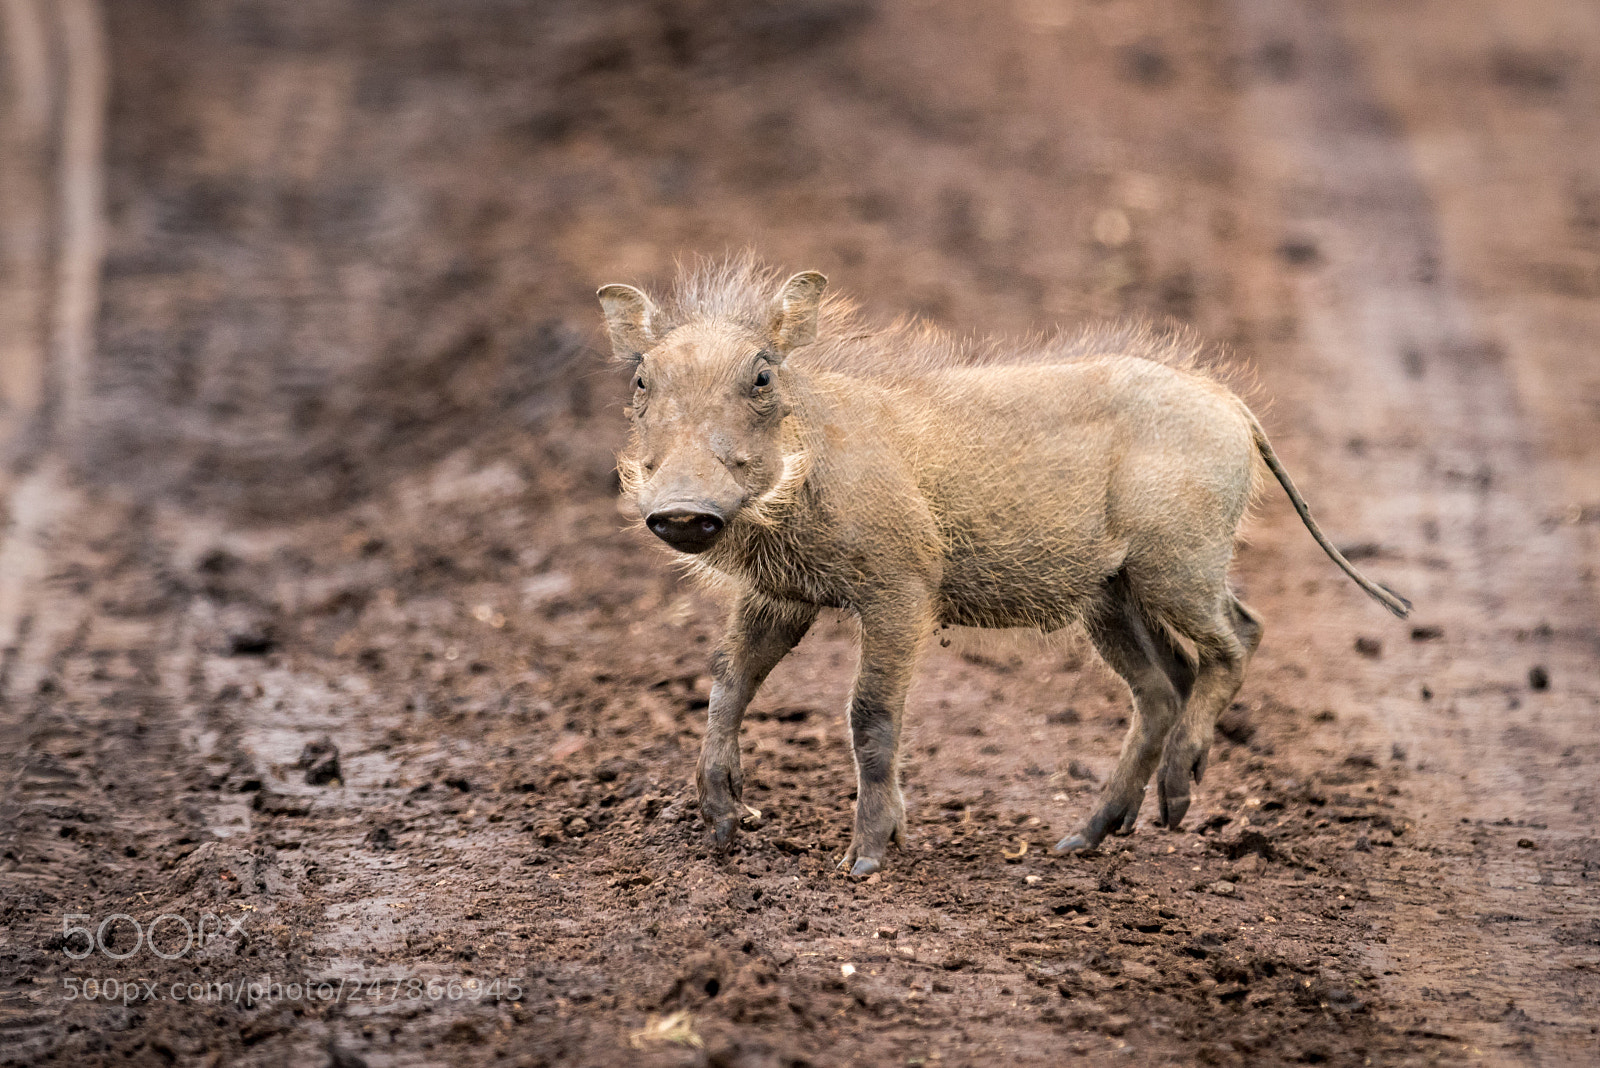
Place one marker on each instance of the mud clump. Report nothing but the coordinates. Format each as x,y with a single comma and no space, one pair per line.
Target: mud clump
217,870
1235,725
250,635
1249,843
320,759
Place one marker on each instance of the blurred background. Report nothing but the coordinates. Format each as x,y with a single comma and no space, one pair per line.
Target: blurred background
310,437
342,236
376,229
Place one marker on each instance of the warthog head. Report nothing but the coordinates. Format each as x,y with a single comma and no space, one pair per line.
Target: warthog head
712,444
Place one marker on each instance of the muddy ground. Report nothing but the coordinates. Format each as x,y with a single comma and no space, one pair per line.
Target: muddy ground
324,634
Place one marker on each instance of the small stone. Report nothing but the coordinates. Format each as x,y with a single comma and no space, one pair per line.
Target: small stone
1032,880
890,933
1081,771
577,827
1527,843
1363,844
1116,1025
1222,888
1538,677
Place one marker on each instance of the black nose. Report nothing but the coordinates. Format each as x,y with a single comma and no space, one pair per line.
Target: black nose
684,529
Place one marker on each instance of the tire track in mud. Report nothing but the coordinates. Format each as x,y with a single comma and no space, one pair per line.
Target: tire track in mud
25,197
52,134
1467,946
57,60
55,366
82,179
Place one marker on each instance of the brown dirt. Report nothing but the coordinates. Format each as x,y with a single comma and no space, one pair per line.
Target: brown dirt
340,468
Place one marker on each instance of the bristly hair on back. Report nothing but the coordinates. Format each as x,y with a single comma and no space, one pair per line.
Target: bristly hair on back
740,289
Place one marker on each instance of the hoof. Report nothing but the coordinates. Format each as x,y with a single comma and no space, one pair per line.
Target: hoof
1113,817
1172,785
723,833
865,866
1072,843
1172,791
1173,809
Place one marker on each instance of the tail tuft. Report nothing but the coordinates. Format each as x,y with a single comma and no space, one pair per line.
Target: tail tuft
1395,603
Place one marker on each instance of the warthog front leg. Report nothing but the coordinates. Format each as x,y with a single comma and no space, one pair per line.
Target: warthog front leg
890,638
1160,677
760,633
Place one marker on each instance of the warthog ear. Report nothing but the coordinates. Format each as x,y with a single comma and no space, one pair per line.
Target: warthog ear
628,314
794,312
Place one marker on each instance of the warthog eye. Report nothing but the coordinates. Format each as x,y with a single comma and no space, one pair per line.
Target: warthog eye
638,382
764,379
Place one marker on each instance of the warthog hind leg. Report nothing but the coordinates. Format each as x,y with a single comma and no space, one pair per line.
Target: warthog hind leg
1160,676
1225,648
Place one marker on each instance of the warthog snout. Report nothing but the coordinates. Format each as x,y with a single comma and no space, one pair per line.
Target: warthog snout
685,527
689,499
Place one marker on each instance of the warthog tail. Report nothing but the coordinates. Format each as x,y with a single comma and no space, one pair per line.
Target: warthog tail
1390,600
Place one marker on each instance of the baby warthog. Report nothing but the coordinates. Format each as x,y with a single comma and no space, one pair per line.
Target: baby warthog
805,461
